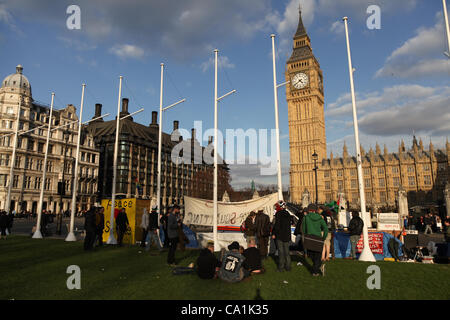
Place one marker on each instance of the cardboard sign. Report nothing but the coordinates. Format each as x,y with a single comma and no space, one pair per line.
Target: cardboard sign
375,243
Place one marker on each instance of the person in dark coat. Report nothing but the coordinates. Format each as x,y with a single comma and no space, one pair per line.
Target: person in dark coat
153,230
100,224
3,224
207,263
250,228
262,226
281,233
10,222
121,225
172,234
163,221
90,228
355,228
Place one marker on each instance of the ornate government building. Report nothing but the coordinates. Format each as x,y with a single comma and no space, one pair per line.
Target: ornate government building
15,95
422,172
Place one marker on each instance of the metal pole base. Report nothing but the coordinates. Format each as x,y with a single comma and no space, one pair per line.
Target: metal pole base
71,237
37,235
367,255
111,239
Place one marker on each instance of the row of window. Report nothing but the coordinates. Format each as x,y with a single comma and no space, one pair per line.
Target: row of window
381,182
380,170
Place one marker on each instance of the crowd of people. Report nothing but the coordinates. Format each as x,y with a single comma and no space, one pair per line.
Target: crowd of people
428,223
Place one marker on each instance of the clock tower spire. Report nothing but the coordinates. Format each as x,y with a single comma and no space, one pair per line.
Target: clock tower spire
305,99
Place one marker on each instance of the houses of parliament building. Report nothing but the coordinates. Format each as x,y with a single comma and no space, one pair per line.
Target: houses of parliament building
423,172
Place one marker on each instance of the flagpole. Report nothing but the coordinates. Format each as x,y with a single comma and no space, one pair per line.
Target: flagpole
216,244
112,239
447,27
158,190
366,254
71,236
37,234
277,128
13,157
216,100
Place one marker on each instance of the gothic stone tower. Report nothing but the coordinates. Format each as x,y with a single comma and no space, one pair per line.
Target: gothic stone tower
305,101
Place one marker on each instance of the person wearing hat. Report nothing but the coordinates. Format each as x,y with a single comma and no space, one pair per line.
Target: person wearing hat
232,269
281,233
315,225
153,230
207,263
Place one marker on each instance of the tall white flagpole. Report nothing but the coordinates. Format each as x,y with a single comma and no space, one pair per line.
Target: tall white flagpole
158,190
71,236
447,27
216,244
366,254
13,157
277,128
37,234
112,238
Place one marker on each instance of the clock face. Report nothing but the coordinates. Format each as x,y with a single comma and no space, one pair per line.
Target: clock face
300,80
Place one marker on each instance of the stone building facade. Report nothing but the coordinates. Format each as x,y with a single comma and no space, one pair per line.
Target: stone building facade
138,162
15,91
422,172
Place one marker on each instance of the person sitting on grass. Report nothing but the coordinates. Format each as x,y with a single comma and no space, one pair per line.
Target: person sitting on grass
232,269
207,263
252,256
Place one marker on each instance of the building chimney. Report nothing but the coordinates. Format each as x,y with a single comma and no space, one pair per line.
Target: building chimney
154,123
175,125
210,140
98,112
193,134
124,111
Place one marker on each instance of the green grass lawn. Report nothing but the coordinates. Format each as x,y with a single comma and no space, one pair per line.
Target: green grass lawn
36,269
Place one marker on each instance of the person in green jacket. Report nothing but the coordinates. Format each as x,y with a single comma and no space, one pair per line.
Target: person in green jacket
313,224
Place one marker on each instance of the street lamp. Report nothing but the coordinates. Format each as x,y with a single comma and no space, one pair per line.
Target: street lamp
315,157
62,189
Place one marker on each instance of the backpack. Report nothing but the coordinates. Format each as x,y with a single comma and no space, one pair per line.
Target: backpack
243,227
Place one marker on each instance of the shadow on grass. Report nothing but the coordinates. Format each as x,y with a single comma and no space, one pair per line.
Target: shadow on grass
301,258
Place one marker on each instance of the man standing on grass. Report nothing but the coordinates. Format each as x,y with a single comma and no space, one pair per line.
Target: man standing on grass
153,230
90,229
314,224
121,225
172,234
144,226
100,224
262,223
281,233
355,228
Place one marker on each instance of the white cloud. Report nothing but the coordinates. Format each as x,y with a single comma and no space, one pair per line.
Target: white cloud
419,56
337,27
222,62
125,51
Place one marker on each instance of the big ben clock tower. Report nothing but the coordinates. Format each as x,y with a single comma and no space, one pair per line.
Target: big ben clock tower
305,101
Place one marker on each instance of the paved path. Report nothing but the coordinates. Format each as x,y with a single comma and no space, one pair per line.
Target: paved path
24,226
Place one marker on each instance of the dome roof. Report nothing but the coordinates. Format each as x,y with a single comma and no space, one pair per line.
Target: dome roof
17,80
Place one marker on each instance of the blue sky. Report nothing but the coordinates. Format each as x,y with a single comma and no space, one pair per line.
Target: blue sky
401,79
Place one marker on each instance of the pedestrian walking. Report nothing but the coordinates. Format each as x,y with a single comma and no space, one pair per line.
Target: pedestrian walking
355,228
281,233
315,231
121,225
428,221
